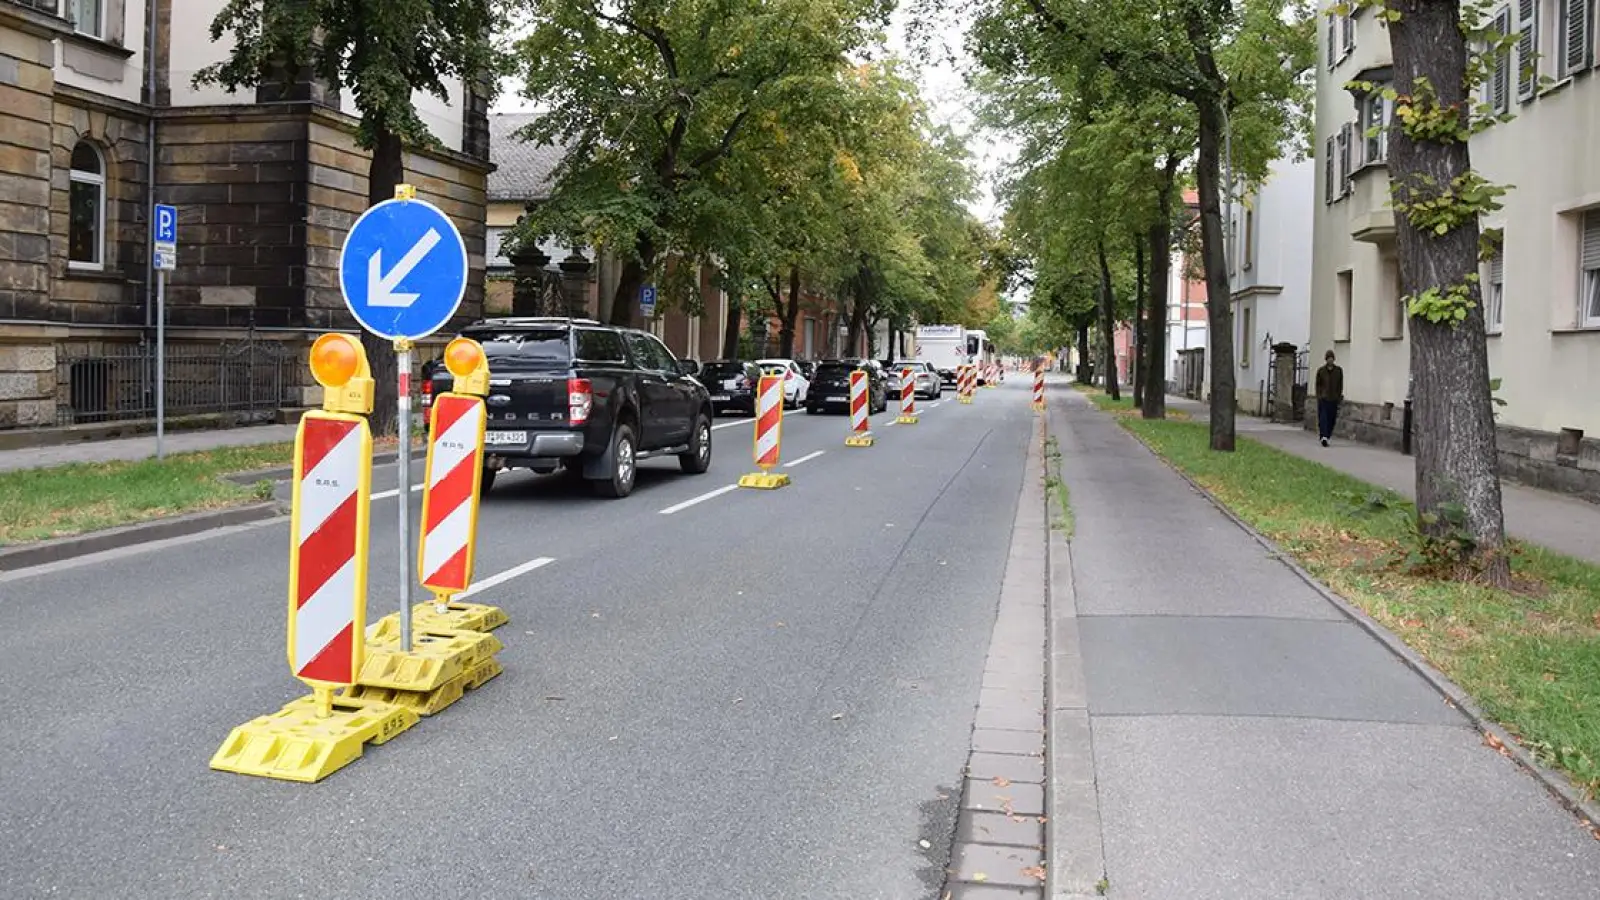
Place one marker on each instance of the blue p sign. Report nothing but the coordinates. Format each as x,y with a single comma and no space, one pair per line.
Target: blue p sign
166,224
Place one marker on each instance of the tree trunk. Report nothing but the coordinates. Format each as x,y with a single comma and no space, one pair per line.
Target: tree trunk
1083,353
1108,322
789,311
387,170
730,328
626,298
1154,403
1136,352
1219,304
1457,474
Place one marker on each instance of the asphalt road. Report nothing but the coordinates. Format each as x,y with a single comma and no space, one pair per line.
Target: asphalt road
708,693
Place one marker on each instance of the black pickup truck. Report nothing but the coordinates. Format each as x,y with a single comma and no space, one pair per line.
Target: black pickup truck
588,398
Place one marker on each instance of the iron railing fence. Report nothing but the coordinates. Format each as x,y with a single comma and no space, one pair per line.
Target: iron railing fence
103,381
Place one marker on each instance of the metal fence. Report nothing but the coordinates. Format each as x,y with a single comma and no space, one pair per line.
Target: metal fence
1297,400
112,382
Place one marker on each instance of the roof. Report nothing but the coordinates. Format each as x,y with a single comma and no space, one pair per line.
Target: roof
522,168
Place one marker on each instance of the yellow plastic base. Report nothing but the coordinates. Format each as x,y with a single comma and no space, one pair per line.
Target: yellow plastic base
293,744
456,617
1038,407
427,703
437,657
858,440
906,420
765,481
966,398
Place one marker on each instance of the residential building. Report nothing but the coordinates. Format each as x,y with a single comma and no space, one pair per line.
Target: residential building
100,102
1186,308
1542,288
1269,272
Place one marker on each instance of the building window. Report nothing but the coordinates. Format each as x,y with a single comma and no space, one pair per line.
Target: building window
1330,170
1341,38
1392,305
1249,238
1572,20
86,205
1347,148
1589,292
1497,84
1527,55
87,16
1376,113
1342,299
1494,293
1247,337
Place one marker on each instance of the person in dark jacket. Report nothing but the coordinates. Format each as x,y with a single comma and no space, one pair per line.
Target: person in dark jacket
1330,393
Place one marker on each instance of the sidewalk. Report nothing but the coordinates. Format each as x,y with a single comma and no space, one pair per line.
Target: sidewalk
1251,743
143,447
1563,524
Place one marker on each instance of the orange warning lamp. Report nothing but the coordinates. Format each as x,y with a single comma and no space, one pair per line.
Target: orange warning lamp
464,358
339,364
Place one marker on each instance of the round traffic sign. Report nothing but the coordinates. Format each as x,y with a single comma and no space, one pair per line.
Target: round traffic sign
403,269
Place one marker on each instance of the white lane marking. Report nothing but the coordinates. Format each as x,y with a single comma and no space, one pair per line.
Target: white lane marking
806,458
700,499
935,404
890,422
393,492
496,580
721,425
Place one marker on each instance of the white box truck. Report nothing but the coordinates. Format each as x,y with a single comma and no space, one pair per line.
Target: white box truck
945,346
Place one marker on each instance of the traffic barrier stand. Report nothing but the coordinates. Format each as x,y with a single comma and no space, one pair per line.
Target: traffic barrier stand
964,383
860,411
769,433
1038,390
908,398
312,737
438,667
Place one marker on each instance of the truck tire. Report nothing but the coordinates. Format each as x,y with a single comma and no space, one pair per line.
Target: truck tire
488,481
698,458
624,465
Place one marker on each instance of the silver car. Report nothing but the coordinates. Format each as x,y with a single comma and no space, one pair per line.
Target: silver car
928,384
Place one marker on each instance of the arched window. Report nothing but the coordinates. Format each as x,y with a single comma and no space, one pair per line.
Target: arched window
86,208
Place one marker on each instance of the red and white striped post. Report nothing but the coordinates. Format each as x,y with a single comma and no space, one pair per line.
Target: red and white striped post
1038,388
768,435
968,382
451,489
908,397
860,411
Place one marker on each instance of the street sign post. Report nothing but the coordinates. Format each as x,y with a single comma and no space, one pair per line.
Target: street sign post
403,271
164,247
647,301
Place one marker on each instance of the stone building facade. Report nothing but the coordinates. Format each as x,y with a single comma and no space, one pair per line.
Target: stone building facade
266,185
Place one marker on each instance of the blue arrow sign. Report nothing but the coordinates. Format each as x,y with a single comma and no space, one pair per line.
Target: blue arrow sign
647,301
403,269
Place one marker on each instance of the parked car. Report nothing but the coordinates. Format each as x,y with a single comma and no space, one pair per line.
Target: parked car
929,384
795,384
588,398
831,390
732,384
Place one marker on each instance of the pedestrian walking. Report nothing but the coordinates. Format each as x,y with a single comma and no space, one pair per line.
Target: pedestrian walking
1330,394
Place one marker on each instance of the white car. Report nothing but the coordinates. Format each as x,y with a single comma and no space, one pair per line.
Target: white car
795,386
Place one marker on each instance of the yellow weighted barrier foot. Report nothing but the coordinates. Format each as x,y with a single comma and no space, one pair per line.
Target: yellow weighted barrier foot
1038,407
428,703
965,399
765,481
862,440
906,420
294,744
456,617
437,657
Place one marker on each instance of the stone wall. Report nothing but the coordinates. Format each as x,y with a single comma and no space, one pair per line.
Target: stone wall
1567,464
115,293
27,85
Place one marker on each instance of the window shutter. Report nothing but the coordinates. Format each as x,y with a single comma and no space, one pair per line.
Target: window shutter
1575,31
1344,159
1500,79
1333,41
1330,171
1497,269
1349,28
1527,49
1591,240
1358,147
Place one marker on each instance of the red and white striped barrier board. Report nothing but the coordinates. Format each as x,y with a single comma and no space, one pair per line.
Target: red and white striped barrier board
450,494
1038,387
859,401
328,558
908,394
769,420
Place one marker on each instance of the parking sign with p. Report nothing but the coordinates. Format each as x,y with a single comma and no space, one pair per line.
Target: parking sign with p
166,237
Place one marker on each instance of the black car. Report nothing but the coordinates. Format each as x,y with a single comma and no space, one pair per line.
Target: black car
586,397
732,384
830,389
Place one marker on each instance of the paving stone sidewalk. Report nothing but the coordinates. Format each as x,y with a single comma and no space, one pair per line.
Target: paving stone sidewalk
1563,524
1248,741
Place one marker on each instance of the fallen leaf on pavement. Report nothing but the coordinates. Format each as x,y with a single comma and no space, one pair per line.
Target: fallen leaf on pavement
1002,781
924,844
838,716
738,699
1034,872
979,876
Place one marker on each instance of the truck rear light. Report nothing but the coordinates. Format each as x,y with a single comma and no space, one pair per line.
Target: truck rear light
580,400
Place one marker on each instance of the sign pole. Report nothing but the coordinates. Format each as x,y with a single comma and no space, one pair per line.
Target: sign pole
403,353
161,363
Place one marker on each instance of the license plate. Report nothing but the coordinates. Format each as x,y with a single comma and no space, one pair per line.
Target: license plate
837,398
494,438
719,396
730,384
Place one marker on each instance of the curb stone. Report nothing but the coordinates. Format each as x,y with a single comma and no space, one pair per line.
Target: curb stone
1076,849
1564,791
43,552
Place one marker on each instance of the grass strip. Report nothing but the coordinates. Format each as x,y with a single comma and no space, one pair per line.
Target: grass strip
36,504
1530,656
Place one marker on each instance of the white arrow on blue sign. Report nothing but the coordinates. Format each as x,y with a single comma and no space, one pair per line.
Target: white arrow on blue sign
403,269
166,237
